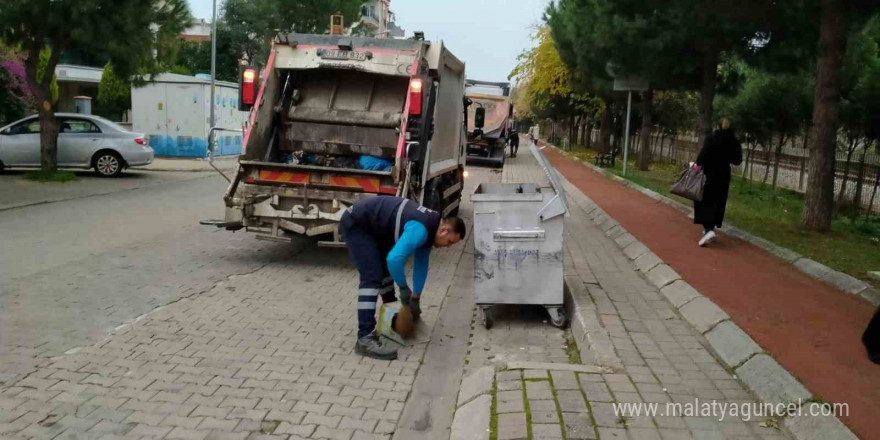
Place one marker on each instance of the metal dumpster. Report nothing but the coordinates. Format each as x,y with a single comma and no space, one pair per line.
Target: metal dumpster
518,244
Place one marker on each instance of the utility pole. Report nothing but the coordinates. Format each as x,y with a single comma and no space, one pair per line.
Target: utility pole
212,122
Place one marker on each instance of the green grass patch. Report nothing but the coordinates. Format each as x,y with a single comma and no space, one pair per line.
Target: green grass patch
50,176
853,246
493,420
558,407
528,410
574,356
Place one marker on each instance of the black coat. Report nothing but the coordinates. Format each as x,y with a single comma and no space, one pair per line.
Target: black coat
719,152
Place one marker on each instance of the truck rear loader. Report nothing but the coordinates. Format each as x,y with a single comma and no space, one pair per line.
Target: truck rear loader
489,116
335,119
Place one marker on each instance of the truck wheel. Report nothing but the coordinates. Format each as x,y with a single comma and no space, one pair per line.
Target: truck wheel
433,198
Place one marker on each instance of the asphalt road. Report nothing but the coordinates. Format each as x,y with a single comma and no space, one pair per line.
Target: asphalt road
73,270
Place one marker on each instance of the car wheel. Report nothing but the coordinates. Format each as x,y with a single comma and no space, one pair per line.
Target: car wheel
2,166
107,164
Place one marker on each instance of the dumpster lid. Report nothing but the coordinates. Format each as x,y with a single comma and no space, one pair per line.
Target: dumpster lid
557,205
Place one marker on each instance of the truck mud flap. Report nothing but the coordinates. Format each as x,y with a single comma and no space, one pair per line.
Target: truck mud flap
496,160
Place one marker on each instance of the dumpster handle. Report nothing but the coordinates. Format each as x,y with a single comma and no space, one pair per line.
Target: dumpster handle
519,235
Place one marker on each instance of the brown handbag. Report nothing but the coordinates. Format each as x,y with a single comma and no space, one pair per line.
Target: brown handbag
690,184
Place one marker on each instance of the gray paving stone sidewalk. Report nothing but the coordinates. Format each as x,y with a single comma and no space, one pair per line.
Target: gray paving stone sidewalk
520,333
659,358
264,355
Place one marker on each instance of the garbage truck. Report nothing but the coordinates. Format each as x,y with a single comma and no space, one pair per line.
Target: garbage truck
334,119
489,116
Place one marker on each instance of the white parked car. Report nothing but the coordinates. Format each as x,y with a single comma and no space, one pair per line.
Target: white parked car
84,141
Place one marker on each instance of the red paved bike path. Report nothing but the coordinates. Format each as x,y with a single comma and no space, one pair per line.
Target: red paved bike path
813,330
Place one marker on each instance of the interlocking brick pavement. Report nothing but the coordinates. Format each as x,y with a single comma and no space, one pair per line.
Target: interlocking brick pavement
263,354
520,332
663,358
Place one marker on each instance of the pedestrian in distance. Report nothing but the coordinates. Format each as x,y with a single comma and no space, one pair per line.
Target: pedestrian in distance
719,152
381,233
871,338
514,142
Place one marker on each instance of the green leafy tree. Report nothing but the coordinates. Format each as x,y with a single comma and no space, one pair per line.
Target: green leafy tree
308,16
837,19
246,28
772,106
124,31
114,93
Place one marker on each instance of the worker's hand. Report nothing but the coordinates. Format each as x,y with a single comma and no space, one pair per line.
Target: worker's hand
405,295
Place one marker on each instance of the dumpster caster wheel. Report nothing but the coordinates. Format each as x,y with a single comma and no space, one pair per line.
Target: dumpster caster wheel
557,317
488,317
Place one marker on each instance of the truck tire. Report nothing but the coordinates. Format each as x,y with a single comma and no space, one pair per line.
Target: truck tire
434,198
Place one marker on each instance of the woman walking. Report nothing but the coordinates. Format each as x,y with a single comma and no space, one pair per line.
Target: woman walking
719,152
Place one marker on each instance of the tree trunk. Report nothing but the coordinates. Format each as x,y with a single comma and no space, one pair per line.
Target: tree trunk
48,138
588,133
605,129
850,149
860,181
645,132
873,194
776,160
746,166
752,150
819,205
42,90
766,151
707,94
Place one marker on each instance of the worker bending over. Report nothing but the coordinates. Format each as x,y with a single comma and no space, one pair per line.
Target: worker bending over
381,233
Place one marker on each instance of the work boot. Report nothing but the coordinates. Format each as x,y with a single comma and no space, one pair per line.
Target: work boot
416,306
373,346
405,295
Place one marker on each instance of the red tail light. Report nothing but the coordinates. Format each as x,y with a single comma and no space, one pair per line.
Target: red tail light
140,141
415,97
248,86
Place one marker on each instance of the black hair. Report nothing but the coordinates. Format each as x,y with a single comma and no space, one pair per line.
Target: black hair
457,225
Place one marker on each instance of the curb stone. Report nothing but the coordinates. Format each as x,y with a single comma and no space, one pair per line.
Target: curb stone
473,412
836,279
593,341
703,314
472,420
635,250
647,261
477,383
823,427
765,377
662,275
680,293
624,239
770,381
733,345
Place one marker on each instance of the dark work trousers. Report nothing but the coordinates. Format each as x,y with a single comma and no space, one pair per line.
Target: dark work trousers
370,258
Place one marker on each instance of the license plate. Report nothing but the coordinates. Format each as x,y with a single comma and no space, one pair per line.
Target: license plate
334,54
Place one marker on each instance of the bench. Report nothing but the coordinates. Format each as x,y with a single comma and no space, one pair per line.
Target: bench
607,159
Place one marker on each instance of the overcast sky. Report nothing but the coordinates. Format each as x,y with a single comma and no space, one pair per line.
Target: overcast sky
485,34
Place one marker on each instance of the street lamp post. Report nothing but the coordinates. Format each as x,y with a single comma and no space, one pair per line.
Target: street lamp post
629,84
